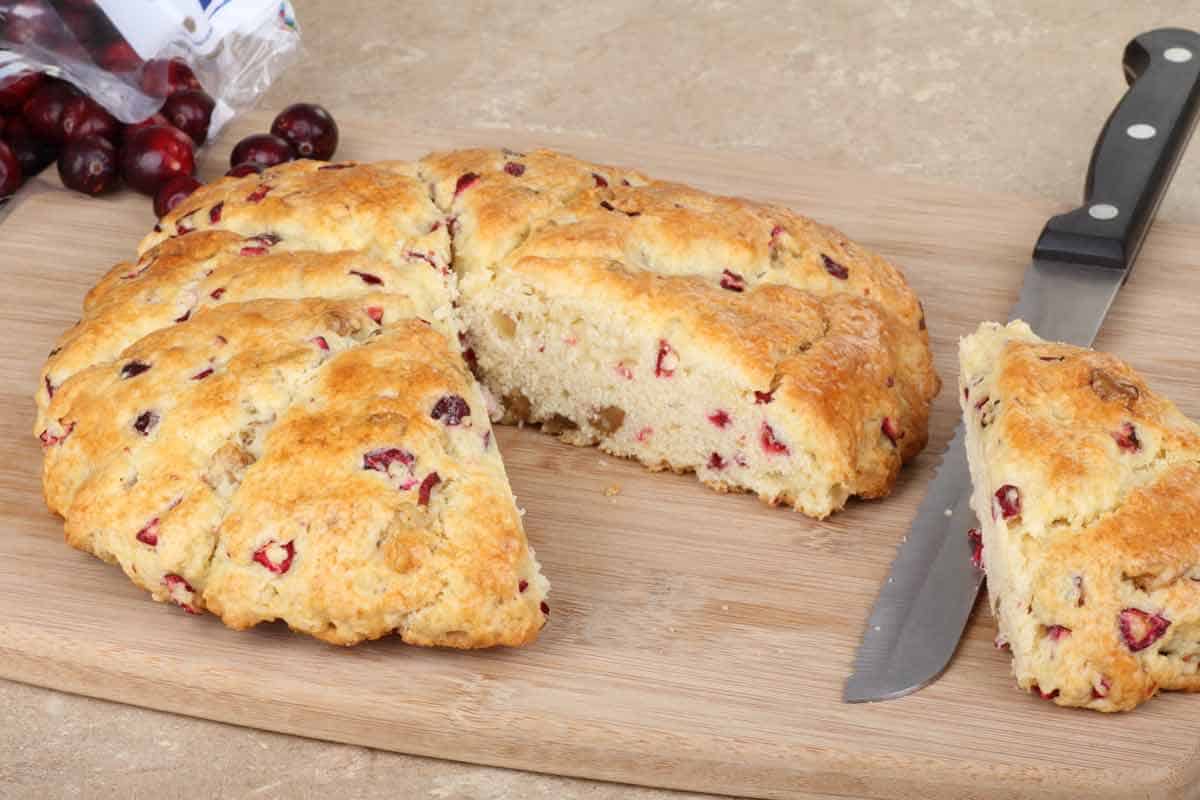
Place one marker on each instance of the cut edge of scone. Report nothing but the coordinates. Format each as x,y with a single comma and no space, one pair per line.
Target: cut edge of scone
1085,485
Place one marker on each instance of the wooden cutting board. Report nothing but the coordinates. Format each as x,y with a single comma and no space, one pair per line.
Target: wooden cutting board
698,641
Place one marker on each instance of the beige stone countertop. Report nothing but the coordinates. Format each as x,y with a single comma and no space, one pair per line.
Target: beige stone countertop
1004,95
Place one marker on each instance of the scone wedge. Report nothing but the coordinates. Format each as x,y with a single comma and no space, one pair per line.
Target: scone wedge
1087,487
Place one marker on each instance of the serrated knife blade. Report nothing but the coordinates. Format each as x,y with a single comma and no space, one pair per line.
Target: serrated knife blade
1080,262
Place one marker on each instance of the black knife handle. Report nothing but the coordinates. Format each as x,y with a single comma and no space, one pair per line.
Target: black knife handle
1135,155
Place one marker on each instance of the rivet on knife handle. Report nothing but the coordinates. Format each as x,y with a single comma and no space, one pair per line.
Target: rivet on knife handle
1080,262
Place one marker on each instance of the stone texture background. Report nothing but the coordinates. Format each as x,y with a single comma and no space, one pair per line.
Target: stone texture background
999,95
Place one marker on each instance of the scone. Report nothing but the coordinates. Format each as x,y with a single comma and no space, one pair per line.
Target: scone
1087,487
274,421
738,340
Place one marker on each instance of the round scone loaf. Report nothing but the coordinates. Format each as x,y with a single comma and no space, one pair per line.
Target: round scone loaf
271,414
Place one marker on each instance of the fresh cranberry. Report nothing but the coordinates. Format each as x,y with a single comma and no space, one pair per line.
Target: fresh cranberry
1056,633
15,89
174,192
834,268
720,418
601,182
450,409
133,369
716,462
431,480
465,181
30,22
151,121
43,110
145,422
975,537
732,281
149,534
309,129
321,343
891,430
515,168
10,171
242,170
762,398
152,156
89,165
263,556
83,25
368,278
182,593
381,459
264,149
162,77
667,361
1127,438
1008,498
119,56
769,442
522,585
1141,629
33,154
82,116
190,110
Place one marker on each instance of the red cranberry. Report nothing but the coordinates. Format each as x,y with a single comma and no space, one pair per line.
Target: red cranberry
450,409
1056,633
182,593
321,343
15,89
49,440
309,129
720,418
33,154
133,369
732,281
174,192
975,537
89,165
431,480
202,374
119,56
770,443
190,110
522,585
1100,688
50,389
375,313
891,430
217,293
834,268
465,181
214,213
43,110
145,422
368,278
263,556
762,398
667,360
82,116
601,183
259,193
644,434
715,462
382,459
1140,629
545,608
149,122
514,168
242,170
161,78
1008,498
1127,438
1045,695
152,156
264,149
84,25
10,171
31,23
149,534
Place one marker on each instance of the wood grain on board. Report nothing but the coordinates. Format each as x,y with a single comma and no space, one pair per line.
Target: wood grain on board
698,641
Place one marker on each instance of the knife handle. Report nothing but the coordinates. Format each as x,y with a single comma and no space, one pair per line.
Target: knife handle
1135,155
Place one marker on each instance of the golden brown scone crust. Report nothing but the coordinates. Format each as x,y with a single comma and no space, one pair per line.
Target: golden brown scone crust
830,329
252,419
1096,576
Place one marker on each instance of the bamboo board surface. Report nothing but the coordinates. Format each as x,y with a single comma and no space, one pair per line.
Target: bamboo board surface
698,641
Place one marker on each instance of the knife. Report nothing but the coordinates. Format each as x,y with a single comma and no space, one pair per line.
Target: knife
1080,261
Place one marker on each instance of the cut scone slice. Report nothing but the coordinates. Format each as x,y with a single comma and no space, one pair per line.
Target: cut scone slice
693,332
1087,488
